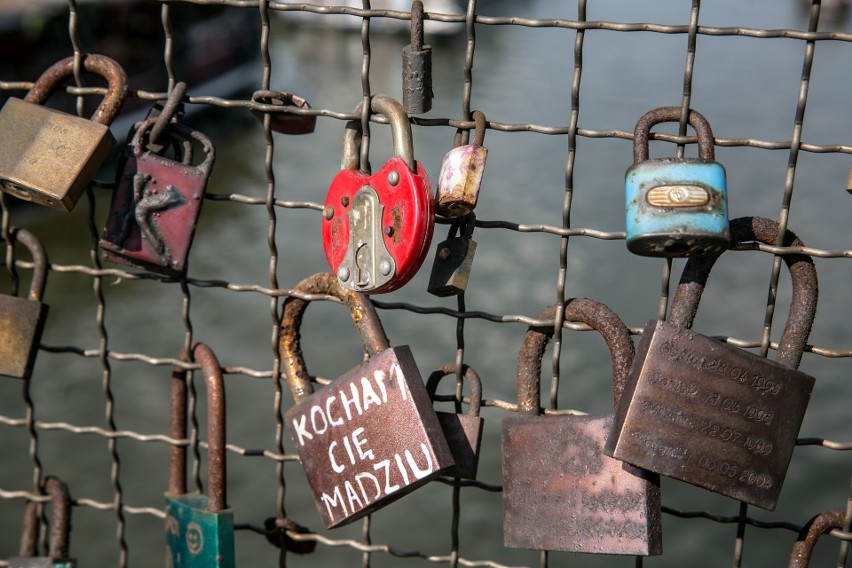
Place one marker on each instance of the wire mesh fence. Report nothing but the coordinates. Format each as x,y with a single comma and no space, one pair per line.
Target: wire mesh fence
549,227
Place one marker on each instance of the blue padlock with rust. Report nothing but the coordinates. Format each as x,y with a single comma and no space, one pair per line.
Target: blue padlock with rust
676,207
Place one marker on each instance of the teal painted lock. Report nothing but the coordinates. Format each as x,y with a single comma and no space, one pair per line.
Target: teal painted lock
60,531
676,207
199,529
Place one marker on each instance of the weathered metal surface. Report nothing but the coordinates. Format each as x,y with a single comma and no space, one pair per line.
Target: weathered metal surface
453,261
800,556
417,66
284,122
461,174
55,155
277,529
367,264
60,531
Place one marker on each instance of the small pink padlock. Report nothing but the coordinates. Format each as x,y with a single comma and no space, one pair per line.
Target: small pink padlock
461,173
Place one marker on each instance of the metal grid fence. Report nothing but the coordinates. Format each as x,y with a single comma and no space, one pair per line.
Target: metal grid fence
115,510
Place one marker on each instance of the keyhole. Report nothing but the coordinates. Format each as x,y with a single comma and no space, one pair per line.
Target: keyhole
362,263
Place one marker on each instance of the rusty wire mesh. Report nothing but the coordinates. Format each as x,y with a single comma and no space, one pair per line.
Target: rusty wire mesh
112,512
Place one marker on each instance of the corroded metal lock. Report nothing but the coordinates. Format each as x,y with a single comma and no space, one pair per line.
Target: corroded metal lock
157,203
377,229
417,66
461,173
284,122
453,260
370,436
711,414
49,157
463,431
800,556
676,207
560,492
58,555
199,529
22,319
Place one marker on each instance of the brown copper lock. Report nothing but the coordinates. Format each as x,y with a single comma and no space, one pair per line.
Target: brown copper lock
370,436
284,122
49,157
711,414
454,259
560,492
60,531
800,556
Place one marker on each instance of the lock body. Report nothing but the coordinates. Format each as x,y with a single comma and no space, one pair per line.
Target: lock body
464,436
451,269
676,207
460,180
709,414
195,536
368,438
21,324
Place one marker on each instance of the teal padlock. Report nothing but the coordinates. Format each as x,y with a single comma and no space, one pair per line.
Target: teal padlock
60,531
199,529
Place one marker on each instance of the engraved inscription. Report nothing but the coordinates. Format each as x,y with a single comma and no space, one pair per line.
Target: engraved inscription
733,471
677,386
662,411
680,195
657,446
734,406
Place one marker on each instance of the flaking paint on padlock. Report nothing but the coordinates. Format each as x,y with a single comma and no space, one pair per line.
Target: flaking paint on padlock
461,173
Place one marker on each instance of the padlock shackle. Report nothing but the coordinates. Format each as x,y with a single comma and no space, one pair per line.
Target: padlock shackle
39,258
802,273
472,378
217,496
60,518
706,148
480,124
290,348
102,65
179,132
594,314
417,26
403,145
804,545
170,111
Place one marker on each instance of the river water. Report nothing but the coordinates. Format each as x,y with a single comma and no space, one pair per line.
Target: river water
746,87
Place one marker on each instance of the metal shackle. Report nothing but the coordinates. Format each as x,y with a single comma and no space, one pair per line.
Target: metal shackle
102,65
172,111
60,522
478,131
403,145
286,122
180,133
706,149
802,273
39,256
363,314
819,525
472,378
216,465
596,315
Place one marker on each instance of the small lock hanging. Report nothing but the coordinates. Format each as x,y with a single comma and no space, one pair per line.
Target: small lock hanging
463,431
58,555
560,492
199,529
711,414
376,229
461,173
676,207
48,156
453,260
417,67
825,522
284,122
157,203
369,437
22,319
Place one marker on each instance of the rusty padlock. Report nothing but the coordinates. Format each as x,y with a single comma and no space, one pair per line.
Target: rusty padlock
199,529
22,319
284,122
417,66
560,492
676,206
157,203
461,173
453,260
376,229
58,555
711,414
369,437
463,431
825,522
49,157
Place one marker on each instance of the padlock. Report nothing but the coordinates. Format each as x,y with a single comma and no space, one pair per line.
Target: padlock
58,555
157,203
461,173
49,157
369,437
825,522
560,492
676,207
453,260
377,229
199,529
711,414
417,66
22,319
463,431
284,122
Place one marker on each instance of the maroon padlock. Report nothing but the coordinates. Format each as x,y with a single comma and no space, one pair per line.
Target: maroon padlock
283,121
157,203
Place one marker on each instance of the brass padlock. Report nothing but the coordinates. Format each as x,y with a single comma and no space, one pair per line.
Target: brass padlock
22,319
60,531
453,260
711,414
827,521
463,431
370,436
560,492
